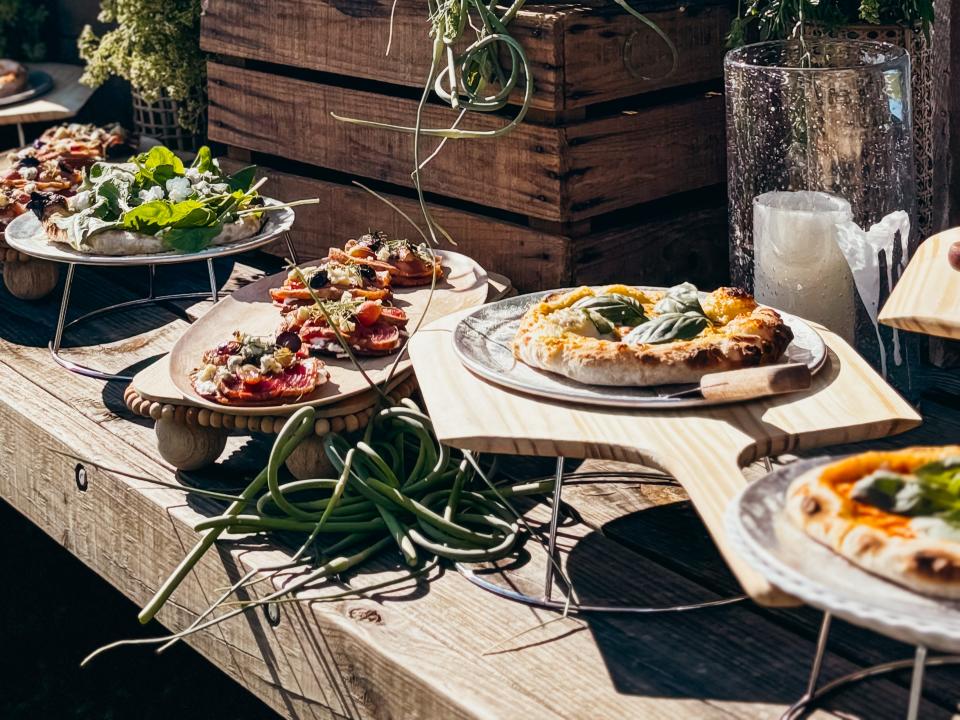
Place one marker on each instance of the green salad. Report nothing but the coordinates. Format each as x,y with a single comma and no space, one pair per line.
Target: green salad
155,194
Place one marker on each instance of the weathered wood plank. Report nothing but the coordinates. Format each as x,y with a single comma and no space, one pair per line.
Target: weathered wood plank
394,656
580,52
559,174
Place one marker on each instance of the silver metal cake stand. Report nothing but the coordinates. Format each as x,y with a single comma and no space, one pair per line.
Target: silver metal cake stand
546,598
800,566
26,235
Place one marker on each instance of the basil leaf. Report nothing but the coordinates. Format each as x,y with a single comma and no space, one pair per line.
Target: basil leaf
614,308
192,239
603,327
668,327
242,179
680,299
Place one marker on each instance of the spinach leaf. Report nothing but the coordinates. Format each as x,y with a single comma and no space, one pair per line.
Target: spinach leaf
156,215
667,327
190,239
157,166
242,179
203,162
680,299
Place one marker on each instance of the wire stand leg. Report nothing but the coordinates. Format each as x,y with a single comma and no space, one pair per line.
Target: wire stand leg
291,250
214,292
552,538
550,545
916,682
20,136
64,305
151,280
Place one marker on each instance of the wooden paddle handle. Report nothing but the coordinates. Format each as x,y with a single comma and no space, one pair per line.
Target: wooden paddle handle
755,382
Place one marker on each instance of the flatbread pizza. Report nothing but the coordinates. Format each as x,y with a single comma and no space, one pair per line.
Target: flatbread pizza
627,336
895,514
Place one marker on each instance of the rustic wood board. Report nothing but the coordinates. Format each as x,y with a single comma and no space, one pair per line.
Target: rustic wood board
704,448
581,52
927,297
412,653
651,244
63,101
559,174
252,311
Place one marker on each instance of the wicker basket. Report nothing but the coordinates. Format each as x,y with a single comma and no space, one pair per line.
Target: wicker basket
158,120
929,72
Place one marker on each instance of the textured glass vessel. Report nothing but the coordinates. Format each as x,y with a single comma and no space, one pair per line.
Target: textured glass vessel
820,170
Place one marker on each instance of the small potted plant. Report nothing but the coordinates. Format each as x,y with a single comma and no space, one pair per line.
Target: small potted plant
155,46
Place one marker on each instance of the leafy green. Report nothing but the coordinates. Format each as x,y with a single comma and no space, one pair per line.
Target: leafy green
156,166
242,179
156,215
680,299
668,327
613,308
932,491
190,239
203,162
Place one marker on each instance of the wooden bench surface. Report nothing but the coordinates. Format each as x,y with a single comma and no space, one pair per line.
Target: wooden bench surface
437,648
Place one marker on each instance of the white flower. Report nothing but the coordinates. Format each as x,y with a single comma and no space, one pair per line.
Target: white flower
192,174
178,189
154,193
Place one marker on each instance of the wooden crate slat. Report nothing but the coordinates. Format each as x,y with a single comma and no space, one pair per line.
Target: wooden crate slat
559,174
659,247
580,53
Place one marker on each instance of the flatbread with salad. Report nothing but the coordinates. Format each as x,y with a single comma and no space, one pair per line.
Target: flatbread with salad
155,204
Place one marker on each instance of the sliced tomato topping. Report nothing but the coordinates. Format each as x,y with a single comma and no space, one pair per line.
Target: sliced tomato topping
368,312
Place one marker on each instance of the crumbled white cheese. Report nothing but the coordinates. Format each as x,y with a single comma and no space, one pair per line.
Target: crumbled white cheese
178,189
233,362
30,187
28,173
206,387
80,201
269,365
383,253
342,275
149,194
208,373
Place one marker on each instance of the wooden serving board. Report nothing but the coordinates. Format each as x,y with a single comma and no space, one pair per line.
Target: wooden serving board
927,298
250,310
704,448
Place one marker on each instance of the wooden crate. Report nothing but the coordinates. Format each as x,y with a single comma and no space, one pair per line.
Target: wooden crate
565,197
685,237
582,53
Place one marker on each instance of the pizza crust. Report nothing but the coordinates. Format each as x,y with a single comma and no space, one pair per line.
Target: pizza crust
927,565
746,336
125,242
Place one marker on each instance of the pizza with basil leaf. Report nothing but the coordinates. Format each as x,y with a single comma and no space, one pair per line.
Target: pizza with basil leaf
894,513
627,336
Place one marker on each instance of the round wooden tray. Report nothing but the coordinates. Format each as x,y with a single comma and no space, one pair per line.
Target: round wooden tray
191,437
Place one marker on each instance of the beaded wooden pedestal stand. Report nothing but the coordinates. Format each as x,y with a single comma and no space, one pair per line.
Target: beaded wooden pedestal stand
190,437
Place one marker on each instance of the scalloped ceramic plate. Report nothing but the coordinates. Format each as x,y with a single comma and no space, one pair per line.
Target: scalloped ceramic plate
812,572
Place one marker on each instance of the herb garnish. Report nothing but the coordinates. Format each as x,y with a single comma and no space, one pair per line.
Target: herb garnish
933,490
606,311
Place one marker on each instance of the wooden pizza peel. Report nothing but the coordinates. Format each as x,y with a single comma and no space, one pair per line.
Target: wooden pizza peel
703,448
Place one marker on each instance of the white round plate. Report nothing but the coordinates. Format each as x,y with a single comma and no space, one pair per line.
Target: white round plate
483,341
38,83
26,234
802,567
